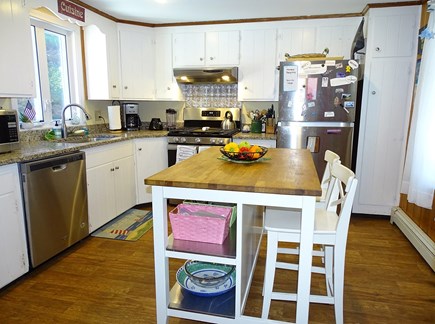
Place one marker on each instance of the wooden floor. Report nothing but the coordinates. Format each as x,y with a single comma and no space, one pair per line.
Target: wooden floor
108,281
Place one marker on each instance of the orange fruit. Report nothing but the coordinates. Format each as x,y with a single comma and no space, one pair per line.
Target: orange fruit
256,150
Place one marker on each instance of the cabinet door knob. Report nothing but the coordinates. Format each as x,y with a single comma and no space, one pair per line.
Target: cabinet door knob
246,88
201,59
373,92
117,168
377,49
112,169
140,149
125,87
114,86
168,88
211,58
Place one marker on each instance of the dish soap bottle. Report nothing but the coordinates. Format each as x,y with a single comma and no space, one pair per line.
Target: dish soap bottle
57,131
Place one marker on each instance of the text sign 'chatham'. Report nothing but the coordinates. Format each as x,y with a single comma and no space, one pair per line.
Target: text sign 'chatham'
71,10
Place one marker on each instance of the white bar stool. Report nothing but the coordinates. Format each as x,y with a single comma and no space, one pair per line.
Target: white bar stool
283,225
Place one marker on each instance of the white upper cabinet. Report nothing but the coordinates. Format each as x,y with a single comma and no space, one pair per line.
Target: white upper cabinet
166,86
296,41
102,61
16,58
199,49
136,46
222,48
337,38
313,36
395,32
257,72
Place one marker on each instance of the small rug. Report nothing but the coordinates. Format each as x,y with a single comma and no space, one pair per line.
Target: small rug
129,226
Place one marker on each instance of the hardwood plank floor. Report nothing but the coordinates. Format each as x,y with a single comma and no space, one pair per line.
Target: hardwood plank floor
108,281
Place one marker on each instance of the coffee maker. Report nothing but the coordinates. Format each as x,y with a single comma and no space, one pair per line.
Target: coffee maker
130,117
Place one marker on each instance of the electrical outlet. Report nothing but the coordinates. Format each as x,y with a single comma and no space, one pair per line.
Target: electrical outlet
97,115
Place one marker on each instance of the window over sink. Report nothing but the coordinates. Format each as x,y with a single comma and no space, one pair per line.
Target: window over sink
57,61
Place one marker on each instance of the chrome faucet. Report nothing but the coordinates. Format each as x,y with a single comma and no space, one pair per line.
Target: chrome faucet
64,130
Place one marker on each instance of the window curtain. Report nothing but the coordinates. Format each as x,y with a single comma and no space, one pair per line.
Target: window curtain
419,173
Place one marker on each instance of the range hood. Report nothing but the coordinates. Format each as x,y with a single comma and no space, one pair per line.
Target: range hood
207,75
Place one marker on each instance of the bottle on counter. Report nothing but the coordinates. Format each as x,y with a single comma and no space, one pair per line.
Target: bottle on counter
57,130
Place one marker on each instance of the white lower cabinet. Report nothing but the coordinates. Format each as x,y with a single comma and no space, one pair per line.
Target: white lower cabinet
111,182
13,247
151,156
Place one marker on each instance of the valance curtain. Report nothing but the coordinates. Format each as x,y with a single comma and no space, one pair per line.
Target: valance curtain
419,173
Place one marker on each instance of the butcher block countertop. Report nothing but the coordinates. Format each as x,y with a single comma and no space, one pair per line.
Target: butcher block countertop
284,171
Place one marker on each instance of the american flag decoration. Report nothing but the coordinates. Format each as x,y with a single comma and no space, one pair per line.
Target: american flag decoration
29,111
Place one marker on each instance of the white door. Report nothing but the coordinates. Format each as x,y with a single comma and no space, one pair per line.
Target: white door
16,55
382,139
137,64
166,85
223,48
148,164
101,195
393,31
296,41
188,49
125,184
13,247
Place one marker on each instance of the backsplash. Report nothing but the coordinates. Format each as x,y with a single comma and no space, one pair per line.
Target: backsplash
210,95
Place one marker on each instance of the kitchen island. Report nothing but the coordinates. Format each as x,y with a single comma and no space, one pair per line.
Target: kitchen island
287,178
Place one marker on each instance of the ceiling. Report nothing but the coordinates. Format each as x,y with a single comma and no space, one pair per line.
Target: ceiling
182,11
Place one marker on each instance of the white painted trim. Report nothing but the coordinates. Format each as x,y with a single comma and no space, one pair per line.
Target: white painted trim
420,240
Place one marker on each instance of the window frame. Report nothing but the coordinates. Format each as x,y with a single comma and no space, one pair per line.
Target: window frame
45,19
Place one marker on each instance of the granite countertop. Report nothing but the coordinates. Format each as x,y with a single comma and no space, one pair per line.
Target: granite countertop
257,136
31,150
38,149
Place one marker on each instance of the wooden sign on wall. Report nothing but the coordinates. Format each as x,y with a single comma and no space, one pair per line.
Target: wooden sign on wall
70,9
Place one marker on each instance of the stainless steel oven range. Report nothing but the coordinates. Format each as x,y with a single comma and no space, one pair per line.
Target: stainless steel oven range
202,128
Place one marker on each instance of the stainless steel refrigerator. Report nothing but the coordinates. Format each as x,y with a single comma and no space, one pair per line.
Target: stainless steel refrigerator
316,110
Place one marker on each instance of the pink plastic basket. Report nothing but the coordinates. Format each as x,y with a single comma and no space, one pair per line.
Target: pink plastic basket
201,223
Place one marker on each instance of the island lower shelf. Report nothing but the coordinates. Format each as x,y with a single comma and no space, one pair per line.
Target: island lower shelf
225,250
222,305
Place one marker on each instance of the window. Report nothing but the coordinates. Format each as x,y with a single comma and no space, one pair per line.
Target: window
56,72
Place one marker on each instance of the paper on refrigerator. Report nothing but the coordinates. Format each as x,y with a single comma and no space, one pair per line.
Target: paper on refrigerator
290,78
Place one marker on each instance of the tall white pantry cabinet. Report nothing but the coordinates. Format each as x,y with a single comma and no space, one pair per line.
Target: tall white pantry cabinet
391,55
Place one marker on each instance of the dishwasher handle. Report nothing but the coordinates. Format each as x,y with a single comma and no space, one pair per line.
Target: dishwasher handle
58,168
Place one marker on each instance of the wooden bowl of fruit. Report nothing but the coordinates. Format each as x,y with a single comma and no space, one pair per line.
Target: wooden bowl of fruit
243,151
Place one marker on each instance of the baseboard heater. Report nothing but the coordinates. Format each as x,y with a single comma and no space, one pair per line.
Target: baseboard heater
421,241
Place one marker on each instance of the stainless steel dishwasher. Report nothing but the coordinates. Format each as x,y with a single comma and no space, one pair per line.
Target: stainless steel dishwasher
56,204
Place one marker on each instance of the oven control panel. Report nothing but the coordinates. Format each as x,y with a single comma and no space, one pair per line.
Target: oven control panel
186,140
